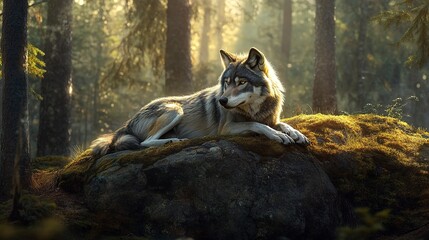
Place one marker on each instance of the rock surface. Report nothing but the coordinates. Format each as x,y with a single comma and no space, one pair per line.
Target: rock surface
247,187
220,191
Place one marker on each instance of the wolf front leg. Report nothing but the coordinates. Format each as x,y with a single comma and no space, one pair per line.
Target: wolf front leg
296,135
246,127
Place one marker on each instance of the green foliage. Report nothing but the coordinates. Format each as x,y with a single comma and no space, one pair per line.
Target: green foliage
34,208
415,15
35,66
48,229
370,225
395,109
143,43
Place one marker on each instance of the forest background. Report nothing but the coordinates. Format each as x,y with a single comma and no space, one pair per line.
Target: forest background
119,60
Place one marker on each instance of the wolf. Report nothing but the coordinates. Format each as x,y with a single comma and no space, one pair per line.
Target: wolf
248,98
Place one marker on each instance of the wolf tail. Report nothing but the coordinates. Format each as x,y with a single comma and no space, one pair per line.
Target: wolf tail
118,141
101,145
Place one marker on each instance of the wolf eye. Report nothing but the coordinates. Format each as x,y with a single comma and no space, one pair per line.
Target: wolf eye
227,81
241,82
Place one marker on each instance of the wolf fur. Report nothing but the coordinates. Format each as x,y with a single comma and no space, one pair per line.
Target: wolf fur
248,98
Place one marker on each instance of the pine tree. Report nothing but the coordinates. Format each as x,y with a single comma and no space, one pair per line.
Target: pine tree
14,154
178,66
55,107
414,14
324,88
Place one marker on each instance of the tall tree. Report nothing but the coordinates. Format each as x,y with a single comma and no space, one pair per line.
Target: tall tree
99,57
54,124
286,41
286,30
14,137
220,22
324,86
361,52
204,43
178,65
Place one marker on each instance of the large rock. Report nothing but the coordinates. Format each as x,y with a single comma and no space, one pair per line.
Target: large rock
218,190
247,187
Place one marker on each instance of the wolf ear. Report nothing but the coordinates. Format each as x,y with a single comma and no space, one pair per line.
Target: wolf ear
227,58
256,60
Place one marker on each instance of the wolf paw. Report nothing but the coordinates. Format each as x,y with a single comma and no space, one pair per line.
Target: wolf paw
296,135
280,137
301,138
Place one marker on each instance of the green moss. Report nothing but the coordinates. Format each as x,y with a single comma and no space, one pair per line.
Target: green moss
74,175
360,133
257,144
50,163
79,170
373,161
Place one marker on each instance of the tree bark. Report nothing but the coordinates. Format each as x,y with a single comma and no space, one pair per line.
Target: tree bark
361,54
99,58
324,87
178,65
14,156
220,23
54,125
204,44
287,30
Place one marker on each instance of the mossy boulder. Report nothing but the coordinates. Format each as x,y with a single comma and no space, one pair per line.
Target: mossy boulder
246,187
374,161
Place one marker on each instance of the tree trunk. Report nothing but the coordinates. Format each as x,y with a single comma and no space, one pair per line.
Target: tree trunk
361,54
220,23
178,66
96,92
54,126
324,89
14,156
204,44
286,40
286,30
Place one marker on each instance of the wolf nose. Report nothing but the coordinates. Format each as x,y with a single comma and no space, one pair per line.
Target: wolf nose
223,101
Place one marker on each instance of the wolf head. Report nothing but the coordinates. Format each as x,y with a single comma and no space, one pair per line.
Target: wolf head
248,80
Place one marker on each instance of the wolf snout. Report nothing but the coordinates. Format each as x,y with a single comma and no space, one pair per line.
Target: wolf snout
223,101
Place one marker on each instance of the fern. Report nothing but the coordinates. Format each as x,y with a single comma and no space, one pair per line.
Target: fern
35,66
